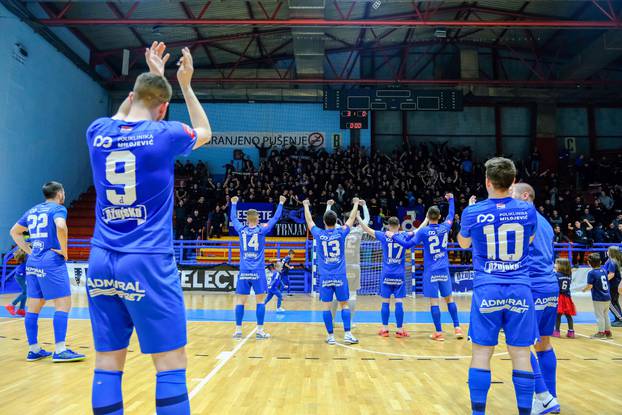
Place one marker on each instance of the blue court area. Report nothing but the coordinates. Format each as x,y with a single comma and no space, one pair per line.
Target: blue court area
297,316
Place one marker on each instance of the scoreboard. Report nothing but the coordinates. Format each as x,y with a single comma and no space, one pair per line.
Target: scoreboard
392,99
353,120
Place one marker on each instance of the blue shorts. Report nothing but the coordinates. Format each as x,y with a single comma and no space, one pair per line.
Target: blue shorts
435,282
334,285
389,285
503,306
252,278
135,290
545,305
47,277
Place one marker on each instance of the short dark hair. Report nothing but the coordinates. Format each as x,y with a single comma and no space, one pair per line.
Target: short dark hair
434,213
501,172
594,260
393,221
330,218
51,189
291,251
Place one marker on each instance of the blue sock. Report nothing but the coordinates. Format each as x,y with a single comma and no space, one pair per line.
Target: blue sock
106,396
540,386
239,314
399,315
31,321
172,393
60,326
279,301
384,313
453,311
261,313
436,317
328,321
548,366
346,316
524,388
479,384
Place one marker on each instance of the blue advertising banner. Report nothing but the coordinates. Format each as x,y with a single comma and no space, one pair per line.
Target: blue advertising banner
462,279
292,222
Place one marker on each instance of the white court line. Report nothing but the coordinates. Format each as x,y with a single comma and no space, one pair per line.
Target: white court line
11,321
225,358
600,340
410,355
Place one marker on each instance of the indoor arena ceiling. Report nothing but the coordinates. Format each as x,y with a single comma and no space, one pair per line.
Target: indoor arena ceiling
290,50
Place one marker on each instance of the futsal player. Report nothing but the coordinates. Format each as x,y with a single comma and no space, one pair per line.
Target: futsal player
500,229
545,290
47,278
287,266
276,284
332,268
353,258
252,264
436,276
393,275
133,279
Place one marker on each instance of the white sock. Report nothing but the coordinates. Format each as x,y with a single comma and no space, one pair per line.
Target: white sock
259,329
60,347
544,396
35,348
238,329
348,333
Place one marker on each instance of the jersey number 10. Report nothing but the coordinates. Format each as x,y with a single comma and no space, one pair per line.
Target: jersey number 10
500,238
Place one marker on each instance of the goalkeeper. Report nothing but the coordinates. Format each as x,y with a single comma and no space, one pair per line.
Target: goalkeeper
353,258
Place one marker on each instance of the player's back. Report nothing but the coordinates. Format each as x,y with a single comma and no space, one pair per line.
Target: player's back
252,247
434,239
42,228
330,250
353,246
393,255
541,257
500,230
133,173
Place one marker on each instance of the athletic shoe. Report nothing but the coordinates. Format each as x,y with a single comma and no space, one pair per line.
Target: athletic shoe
570,334
350,339
608,334
437,336
556,334
41,354
280,310
331,340
458,333
237,335
616,323
599,335
401,333
262,335
67,355
383,333
547,406
21,312
10,308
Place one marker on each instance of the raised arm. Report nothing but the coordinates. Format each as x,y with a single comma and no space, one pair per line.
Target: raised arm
452,209
234,214
308,217
17,233
329,204
366,228
353,212
405,241
198,118
366,217
277,215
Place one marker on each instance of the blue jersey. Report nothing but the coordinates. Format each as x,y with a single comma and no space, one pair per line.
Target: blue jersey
330,250
286,261
275,281
611,266
564,281
41,226
393,255
132,165
500,230
253,240
599,281
542,258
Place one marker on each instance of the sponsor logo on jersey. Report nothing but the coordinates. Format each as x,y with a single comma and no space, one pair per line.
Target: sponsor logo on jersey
515,305
328,282
248,276
438,256
439,277
500,266
130,291
392,281
485,218
131,141
119,214
101,141
37,272
543,302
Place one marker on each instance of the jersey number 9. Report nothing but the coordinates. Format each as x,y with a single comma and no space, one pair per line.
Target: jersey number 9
121,170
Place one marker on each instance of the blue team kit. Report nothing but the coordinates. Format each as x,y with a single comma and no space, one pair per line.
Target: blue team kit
46,271
393,259
331,263
132,278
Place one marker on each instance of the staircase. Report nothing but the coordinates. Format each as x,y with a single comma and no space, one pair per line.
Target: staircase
81,221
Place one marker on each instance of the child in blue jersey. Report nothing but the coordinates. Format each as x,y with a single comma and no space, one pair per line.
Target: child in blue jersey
252,264
276,285
500,230
132,280
20,276
46,272
332,267
436,277
545,290
598,284
392,279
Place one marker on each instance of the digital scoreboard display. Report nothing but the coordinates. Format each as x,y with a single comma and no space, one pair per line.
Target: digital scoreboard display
392,99
353,120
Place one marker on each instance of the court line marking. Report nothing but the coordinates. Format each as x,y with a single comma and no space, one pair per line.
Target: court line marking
606,341
220,365
11,321
410,355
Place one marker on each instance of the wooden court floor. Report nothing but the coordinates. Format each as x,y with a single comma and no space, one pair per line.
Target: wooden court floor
296,373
